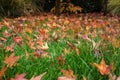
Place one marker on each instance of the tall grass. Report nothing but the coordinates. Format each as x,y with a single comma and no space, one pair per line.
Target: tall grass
114,6
16,8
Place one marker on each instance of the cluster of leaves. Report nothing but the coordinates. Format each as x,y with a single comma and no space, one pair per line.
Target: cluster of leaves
30,45
66,7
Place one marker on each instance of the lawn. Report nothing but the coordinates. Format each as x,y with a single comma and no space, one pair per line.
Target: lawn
46,47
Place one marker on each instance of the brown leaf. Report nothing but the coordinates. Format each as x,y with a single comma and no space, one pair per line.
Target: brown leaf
2,72
11,60
84,78
38,77
61,60
19,77
68,73
77,51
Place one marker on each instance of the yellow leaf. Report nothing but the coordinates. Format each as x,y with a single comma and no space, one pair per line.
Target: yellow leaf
44,46
116,43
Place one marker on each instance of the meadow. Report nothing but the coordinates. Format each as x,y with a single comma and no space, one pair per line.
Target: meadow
46,47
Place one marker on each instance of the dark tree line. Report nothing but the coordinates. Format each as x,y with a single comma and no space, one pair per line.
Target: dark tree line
15,8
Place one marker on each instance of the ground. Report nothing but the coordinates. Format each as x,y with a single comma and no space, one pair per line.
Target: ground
75,47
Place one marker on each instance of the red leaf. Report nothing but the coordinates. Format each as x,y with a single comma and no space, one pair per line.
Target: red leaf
6,34
17,39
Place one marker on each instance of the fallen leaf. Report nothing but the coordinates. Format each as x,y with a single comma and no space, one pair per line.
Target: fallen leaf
118,78
19,77
77,51
38,77
112,77
32,44
65,78
61,60
11,60
10,48
2,72
102,67
116,43
6,34
44,46
84,78
68,73
66,51
17,39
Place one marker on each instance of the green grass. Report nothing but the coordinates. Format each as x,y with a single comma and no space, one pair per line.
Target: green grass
80,64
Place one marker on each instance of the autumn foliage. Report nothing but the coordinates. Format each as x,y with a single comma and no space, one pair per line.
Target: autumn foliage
72,47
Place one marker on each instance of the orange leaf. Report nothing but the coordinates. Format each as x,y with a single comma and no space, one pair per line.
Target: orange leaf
10,61
38,77
2,72
19,77
61,59
68,73
102,67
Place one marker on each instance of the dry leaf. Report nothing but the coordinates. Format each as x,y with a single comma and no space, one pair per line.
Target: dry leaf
17,39
11,60
10,48
44,46
118,78
65,78
68,73
19,77
84,78
116,43
38,77
77,51
66,51
61,59
102,67
31,44
2,72
6,34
